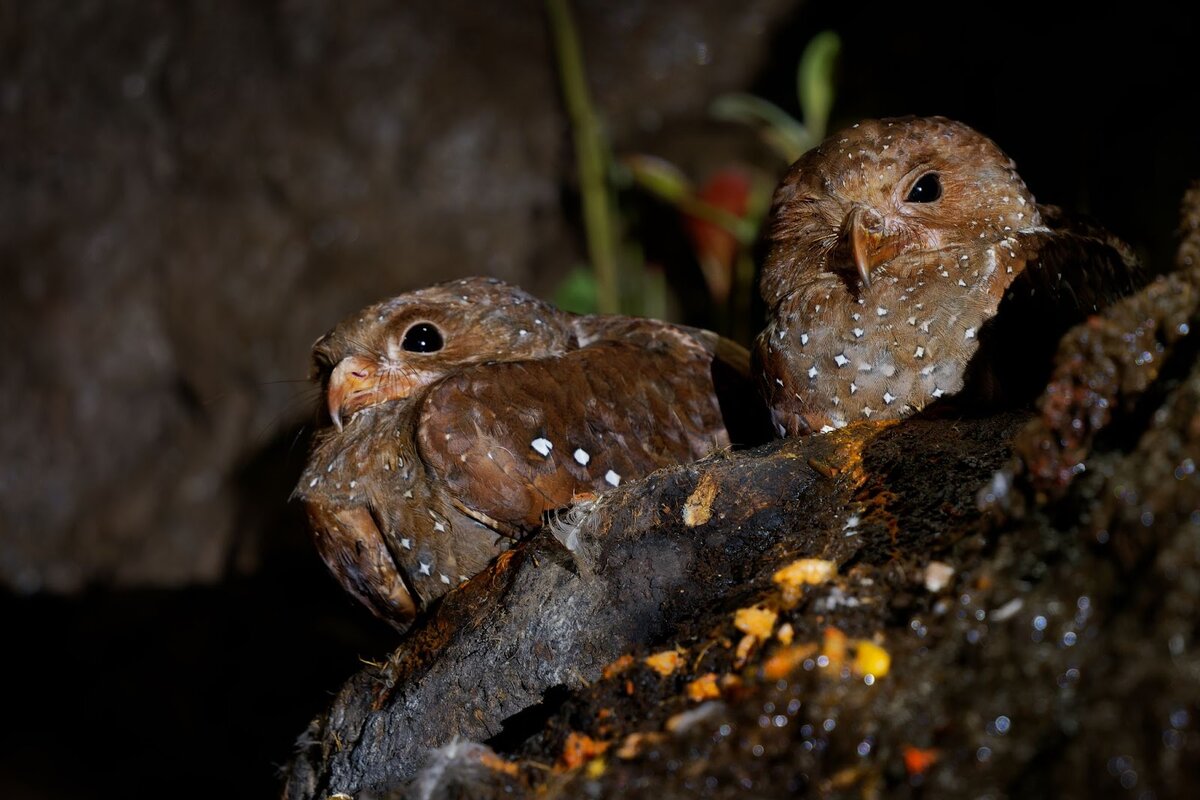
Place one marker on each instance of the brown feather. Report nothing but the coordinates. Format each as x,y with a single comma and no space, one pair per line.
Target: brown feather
520,410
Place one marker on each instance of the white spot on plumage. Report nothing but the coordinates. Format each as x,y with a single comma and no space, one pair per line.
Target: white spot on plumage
881,311
858,332
826,429
920,352
543,446
406,544
613,479
937,392
804,338
888,398
853,388
911,320
426,569
841,360
970,334
812,372
313,482
778,382
445,579
868,411
582,456
961,282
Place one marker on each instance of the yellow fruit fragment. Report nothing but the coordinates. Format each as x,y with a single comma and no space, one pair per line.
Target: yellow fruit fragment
756,621
666,662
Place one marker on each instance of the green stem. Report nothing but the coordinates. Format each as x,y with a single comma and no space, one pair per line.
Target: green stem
742,229
590,154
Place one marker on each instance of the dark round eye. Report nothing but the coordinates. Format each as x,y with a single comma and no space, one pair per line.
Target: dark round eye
926,190
423,337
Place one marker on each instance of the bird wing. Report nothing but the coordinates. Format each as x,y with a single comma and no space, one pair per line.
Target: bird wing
514,440
1069,270
1075,263
745,413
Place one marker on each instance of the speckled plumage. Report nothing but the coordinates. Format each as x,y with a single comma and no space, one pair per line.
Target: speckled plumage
877,303
434,461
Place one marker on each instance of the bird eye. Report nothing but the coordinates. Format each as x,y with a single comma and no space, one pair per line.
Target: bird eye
422,338
926,190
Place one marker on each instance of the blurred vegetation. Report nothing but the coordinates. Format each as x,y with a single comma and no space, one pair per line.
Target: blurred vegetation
721,216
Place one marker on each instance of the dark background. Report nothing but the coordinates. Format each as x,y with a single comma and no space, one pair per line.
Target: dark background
191,193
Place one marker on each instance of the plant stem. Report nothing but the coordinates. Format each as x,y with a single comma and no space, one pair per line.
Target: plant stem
590,155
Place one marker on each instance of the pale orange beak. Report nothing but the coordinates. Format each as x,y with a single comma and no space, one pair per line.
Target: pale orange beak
357,383
866,232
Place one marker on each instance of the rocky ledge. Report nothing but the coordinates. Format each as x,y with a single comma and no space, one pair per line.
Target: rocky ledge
997,605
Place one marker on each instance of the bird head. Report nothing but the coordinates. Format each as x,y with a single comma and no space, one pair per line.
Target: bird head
392,350
849,209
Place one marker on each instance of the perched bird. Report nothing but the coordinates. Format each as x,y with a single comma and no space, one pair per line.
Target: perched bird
460,414
908,260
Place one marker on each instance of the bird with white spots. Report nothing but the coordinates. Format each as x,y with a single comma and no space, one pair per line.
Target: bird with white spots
461,414
896,247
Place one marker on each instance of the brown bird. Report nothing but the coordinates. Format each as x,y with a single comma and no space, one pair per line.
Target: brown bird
893,245
460,414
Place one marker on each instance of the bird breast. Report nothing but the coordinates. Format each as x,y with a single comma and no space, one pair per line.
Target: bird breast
833,357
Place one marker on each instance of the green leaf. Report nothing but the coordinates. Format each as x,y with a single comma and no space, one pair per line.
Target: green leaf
814,81
781,130
578,292
658,176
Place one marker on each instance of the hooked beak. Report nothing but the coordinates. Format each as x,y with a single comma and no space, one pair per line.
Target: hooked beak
357,383
865,233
